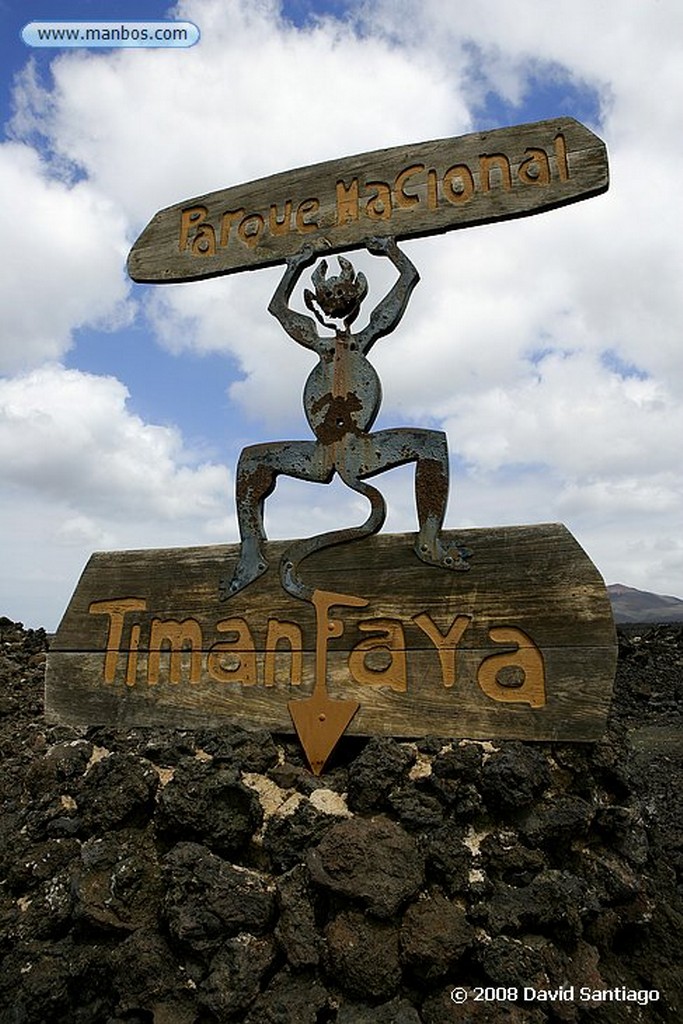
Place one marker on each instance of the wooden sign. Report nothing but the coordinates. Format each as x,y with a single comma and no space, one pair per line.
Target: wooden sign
405,192
498,632
521,646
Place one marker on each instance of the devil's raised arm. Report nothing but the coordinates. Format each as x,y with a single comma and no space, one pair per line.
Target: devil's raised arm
298,326
387,314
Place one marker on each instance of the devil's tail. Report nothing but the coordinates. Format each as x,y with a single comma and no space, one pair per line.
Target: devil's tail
295,554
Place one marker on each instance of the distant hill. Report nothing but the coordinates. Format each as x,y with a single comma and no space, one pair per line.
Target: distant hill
631,605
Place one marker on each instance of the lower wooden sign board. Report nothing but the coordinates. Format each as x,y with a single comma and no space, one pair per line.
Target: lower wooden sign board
521,646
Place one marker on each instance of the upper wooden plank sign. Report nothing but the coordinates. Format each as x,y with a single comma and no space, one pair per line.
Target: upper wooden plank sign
405,192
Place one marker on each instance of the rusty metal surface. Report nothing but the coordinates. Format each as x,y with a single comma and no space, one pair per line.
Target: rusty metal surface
319,720
341,400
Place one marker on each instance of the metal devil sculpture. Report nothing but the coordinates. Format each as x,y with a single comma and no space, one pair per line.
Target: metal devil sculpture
341,399
521,645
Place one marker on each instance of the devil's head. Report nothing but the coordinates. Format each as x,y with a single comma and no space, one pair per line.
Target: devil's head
339,297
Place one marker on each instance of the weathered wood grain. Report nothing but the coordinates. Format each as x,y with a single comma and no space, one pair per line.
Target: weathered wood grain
407,191
180,657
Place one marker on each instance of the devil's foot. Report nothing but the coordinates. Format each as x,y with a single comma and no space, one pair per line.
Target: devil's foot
250,566
436,553
290,580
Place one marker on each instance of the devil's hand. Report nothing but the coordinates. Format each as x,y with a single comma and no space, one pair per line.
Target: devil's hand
380,246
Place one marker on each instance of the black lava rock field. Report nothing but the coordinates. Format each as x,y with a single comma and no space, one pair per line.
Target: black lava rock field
177,877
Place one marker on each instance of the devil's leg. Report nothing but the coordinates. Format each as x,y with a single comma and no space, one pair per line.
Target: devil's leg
428,449
257,471
431,498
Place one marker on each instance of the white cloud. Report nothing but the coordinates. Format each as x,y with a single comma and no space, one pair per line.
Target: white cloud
573,414
549,348
81,472
69,436
65,247
256,96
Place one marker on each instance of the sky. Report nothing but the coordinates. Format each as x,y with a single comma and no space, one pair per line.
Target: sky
547,348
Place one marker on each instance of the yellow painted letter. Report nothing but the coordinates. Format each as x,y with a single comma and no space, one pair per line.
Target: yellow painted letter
561,157
535,170
190,220
178,636
458,184
390,642
304,210
500,163
378,206
116,610
240,665
347,202
227,221
280,226
446,643
402,197
432,189
526,661
291,633
250,229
